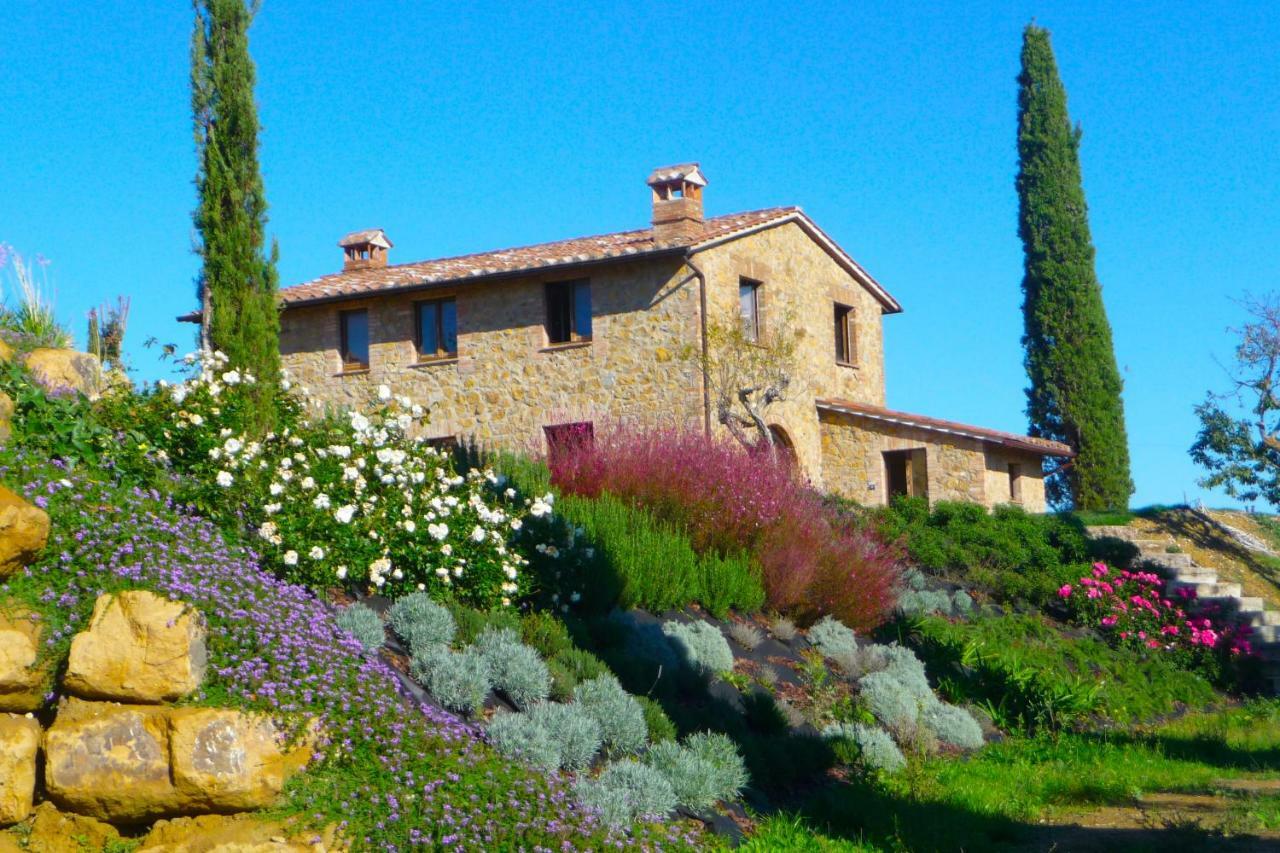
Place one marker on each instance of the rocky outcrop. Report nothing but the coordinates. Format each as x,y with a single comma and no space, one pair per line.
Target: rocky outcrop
60,369
232,832
19,743
22,681
6,417
23,531
139,647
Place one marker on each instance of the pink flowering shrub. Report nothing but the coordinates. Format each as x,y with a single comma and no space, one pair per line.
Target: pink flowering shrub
1131,608
728,500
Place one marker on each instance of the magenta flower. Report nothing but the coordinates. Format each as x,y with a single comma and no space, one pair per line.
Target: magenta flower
1065,591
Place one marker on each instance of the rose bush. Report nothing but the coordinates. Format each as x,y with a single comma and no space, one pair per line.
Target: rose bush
1131,609
354,500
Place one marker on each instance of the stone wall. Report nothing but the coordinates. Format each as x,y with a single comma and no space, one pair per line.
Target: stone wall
507,383
957,467
799,280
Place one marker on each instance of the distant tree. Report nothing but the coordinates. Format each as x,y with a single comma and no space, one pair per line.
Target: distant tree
1074,393
746,376
237,280
1242,452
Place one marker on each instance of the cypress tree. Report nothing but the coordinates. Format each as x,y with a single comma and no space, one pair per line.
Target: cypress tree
237,281
1074,393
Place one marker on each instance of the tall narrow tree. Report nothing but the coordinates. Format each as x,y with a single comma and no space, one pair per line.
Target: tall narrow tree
237,280
1074,393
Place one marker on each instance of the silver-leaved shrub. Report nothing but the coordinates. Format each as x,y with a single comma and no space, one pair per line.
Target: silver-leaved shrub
701,646
459,681
576,733
833,638
516,669
363,624
626,790
876,749
521,738
953,725
421,622
619,714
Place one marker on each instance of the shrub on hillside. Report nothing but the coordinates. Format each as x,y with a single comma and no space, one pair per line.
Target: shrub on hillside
619,714
876,749
363,624
353,500
701,646
514,668
459,681
704,769
813,561
832,638
626,790
520,737
577,733
1010,553
421,622
952,725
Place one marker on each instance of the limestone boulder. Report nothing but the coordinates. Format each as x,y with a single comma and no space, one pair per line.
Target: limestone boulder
23,531
60,369
19,744
224,833
227,760
22,681
53,831
110,761
139,647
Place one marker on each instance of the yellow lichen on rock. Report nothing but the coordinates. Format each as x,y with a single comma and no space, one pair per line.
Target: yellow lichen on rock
139,647
23,531
19,744
66,368
241,833
54,831
227,760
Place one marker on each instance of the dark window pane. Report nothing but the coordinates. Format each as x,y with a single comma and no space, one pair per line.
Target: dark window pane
559,312
582,310
844,335
355,338
748,305
449,327
428,340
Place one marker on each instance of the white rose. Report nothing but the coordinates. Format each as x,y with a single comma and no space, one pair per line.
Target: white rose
341,572
384,393
316,552
224,478
344,514
291,558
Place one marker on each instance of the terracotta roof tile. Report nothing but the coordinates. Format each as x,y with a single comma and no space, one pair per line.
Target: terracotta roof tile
604,247
1043,446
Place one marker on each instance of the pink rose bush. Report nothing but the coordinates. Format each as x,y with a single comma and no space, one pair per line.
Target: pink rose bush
1131,608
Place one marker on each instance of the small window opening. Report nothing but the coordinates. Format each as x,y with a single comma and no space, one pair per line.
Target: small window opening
846,350
354,343
749,308
568,311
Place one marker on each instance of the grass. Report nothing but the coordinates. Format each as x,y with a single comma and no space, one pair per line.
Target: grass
999,796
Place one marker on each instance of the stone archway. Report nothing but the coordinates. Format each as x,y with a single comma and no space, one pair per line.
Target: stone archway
783,445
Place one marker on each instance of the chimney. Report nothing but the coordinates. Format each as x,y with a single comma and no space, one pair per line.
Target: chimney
677,203
362,250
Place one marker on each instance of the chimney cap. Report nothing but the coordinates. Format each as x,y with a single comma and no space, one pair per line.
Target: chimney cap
690,173
367,237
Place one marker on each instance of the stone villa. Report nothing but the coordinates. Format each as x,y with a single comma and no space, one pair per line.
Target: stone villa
515,346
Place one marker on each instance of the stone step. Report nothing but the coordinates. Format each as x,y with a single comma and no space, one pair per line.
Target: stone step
1153,546
1128,534
1250,604
1195,574
1208,590
1265,634
1170,561
1259,617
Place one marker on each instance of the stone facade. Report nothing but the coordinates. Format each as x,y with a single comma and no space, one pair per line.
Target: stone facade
507,383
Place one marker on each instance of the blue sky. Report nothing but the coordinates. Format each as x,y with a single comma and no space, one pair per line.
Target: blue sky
464,127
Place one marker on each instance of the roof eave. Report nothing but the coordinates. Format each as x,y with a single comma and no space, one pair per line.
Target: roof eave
976,433
524,272
839,255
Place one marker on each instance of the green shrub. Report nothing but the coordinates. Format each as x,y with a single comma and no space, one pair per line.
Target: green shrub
520,737
719,752
1008,552
471,622
581,664
660,727
421,622
576,732
363,624
562,682
701,646
833,638
459,681
952,725
514,668
692,779
545,632
913,603
626,790
655,562
620,715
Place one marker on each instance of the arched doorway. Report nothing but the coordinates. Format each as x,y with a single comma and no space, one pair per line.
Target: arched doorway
783,446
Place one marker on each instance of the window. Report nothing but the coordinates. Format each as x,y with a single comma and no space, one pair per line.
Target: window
846,342
437,329
354,327
564,439
749,304
1015,482
568,311
444,443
